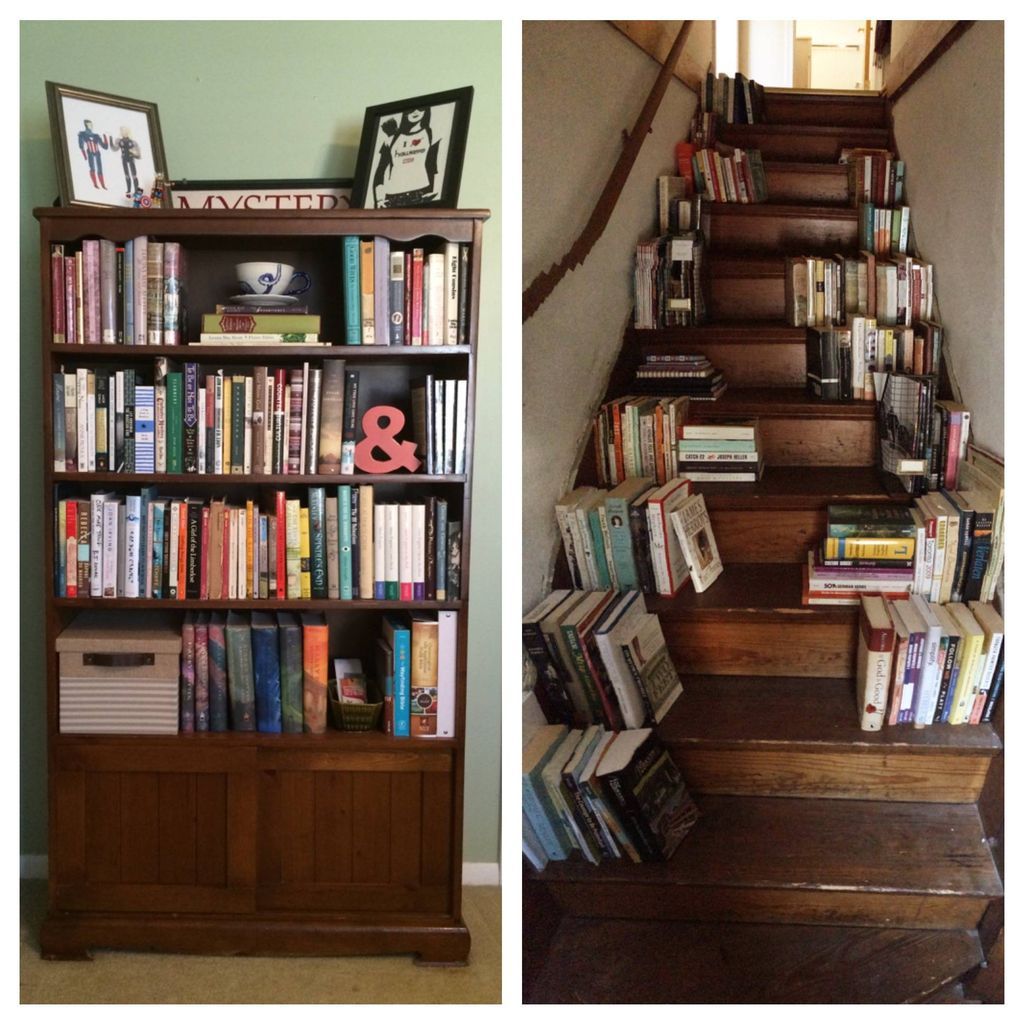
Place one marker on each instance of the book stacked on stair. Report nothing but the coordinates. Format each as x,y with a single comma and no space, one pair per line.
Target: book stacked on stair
725,174
679,373
599,795
721,451
637,436
668,282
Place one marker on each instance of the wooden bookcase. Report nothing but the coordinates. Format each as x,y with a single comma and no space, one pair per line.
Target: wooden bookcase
254,843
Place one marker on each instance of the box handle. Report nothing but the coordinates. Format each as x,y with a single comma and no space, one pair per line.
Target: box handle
120,660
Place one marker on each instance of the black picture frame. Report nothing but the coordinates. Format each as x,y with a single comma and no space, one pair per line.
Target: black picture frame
87,152
430,180
262,194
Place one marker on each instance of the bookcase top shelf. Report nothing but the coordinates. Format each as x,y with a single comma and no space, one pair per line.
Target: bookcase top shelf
248,480
313,604
401,225
261,353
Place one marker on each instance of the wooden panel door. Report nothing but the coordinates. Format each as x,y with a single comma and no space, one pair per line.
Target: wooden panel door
356,832
153,828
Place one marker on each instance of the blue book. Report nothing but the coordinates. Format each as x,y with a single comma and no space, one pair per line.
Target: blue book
145,429
266,672
350,289
159,583
399,638
345,542
604,580
289,631
441,551
129,292
59,456
355,541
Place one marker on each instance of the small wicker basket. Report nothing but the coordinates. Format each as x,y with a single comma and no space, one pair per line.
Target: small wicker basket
357,717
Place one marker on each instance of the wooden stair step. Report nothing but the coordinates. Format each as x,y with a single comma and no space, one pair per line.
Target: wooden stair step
772,859
814,184
802,142
751,622
800,737
780,228
747,287
866,110
596,960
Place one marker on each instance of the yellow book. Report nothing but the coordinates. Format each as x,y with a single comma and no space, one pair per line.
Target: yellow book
305,576
366,290
293,588
895,548
251,523
365,541
973,639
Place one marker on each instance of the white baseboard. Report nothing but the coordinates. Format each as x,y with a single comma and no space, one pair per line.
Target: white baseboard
35,866
481,874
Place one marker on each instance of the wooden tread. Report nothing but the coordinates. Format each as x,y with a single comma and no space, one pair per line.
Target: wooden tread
780,228
781,402
593,960
796,143
764,859
818,108
798,737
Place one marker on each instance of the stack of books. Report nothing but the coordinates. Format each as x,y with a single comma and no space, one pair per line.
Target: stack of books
735,176
721,451
637,437
601,796
679,204
874,176
736,99
600,658
679,373
923,663
867,549
668,282
261,323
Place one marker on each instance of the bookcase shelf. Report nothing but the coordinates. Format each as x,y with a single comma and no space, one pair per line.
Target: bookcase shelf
335,843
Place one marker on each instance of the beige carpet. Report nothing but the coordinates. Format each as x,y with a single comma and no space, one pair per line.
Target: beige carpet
119,977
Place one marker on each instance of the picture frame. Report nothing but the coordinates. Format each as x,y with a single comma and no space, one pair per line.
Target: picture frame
108,149
269,194
411,151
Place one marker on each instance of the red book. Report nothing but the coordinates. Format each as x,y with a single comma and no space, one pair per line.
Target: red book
204,577
91,290
70,311
57,295
417,297
281,543
182,549
225,552
684,162
877,637
71,547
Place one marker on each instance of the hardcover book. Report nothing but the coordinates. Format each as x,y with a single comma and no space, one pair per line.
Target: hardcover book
266,672
240,680
697,540
876,639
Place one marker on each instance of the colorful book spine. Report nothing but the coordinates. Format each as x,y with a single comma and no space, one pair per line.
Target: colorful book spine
289,631
219,720
350,290
266,672
314,672
202,719
187,706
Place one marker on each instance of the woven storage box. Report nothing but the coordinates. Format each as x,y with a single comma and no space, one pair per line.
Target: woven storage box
115,679
357,717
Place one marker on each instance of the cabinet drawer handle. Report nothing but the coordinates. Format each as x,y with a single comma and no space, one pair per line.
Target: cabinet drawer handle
120,660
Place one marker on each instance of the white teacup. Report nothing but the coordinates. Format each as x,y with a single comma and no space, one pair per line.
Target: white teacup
266,278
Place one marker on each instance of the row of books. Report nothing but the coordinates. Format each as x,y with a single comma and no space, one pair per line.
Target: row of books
874,176
732,177
691,375
254,323
108,293
668,282
133,294
943,547
822,291
410,296
638,535
883,230
345,546
721,452
637,436
924,663
736,99
268,672
284,420
600,658
602,795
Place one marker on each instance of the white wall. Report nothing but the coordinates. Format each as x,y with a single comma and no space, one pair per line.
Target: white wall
766,52
949,130
583,83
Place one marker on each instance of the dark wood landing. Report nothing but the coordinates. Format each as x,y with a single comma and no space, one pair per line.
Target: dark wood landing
758,736
71,936
599,961
786,106
803,487
765,860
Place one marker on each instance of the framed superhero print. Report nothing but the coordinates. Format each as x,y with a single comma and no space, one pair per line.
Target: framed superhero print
108,149
411,151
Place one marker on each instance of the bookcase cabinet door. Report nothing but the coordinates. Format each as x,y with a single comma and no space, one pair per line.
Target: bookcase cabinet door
358,833
150,828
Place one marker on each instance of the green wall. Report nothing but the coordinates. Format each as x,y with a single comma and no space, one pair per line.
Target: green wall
271,100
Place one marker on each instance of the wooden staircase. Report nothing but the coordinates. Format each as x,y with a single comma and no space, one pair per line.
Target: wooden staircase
808,823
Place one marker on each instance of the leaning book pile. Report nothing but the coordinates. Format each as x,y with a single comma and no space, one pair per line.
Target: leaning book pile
668,285
602,796
679,373
637,436
733,176
924,663
721,451
876,181
636,536
345,545
600,658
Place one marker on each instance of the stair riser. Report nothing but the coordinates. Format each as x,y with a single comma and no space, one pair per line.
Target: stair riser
807,441
789,234
738,646
948,779
754,365
748,298
838,110
796,146
790,185
766,905
769,535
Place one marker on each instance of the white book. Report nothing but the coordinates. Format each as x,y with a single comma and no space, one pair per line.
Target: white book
992,623
461,407
451,293
628,614
241,584
160,422
419,562
247,456
436,293
268,441
70,418
218,422
233,554
121,550
697,540
110,523
305,413
405,552
132,544
447,656
202,431
931,668
172,548
140,276
449,426
96,503
379,530
667,555
82,404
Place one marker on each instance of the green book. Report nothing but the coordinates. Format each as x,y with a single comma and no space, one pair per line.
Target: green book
241,681
289,635
317,542
345,542
175,414
350,289
237,424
